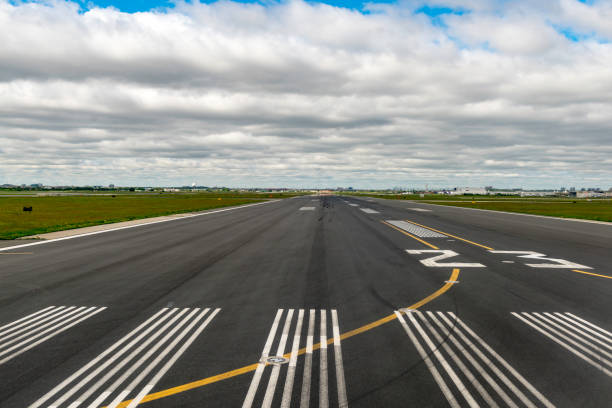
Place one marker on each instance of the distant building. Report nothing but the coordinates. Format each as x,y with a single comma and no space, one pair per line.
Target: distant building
111,186
590,194
468,190
546,193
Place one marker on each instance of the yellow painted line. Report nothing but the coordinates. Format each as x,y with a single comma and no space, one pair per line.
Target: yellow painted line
451,235
16,253
591,273
250,368
411,236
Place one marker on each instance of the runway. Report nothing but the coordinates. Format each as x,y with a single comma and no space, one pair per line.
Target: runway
313,302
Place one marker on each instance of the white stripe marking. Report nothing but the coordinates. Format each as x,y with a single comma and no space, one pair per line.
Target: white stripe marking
287,391
171,362
588,336
595,364
584,327
323,390
124,362
248,401
595,354
269,396
340,380
32,345
44,312
590,324
33,326
34,334
369,211
490,365
68,380
432,368
306,381
108,362
449,370
135,365
470,377
503,362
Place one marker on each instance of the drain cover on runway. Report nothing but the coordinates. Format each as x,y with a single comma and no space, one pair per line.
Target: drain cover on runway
277,360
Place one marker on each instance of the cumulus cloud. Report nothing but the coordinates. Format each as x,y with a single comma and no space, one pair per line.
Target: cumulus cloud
307,94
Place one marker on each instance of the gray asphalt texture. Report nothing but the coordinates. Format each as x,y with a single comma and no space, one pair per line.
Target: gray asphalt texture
250,262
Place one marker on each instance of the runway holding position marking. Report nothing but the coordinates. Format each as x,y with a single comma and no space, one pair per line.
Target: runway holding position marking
416,230
278,361
150,344
451,338
580,337
28,332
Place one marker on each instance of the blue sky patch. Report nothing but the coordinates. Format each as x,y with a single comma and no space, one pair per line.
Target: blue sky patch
436,14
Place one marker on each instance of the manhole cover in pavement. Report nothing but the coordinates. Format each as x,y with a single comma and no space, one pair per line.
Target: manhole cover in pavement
276,360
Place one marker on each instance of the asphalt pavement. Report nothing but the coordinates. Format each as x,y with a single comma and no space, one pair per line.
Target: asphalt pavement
312,301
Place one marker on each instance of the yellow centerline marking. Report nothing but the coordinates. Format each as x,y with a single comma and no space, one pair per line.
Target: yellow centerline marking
16,253
451,235
410,235
591,273
252,367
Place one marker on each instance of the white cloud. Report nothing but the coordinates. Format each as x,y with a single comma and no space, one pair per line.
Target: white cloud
302,94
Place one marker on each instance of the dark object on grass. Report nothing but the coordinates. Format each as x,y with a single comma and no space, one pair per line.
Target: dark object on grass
27,208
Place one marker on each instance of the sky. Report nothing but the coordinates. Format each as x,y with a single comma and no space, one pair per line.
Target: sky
307,94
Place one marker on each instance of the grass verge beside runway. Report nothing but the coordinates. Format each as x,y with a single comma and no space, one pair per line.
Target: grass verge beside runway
598,210
580,208
60,213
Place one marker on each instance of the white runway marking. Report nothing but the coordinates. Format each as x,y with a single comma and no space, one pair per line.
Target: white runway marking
419,209
323,391
342,399
369,211
557,263
415,229
149,346
267,400
306,382
581,338
307,208
28,332
354,205
288,390
444,254
452,338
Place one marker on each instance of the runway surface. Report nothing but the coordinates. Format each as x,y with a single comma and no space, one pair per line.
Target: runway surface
313,301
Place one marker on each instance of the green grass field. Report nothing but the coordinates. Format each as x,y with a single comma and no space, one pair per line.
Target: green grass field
596,209
599,210
66,212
